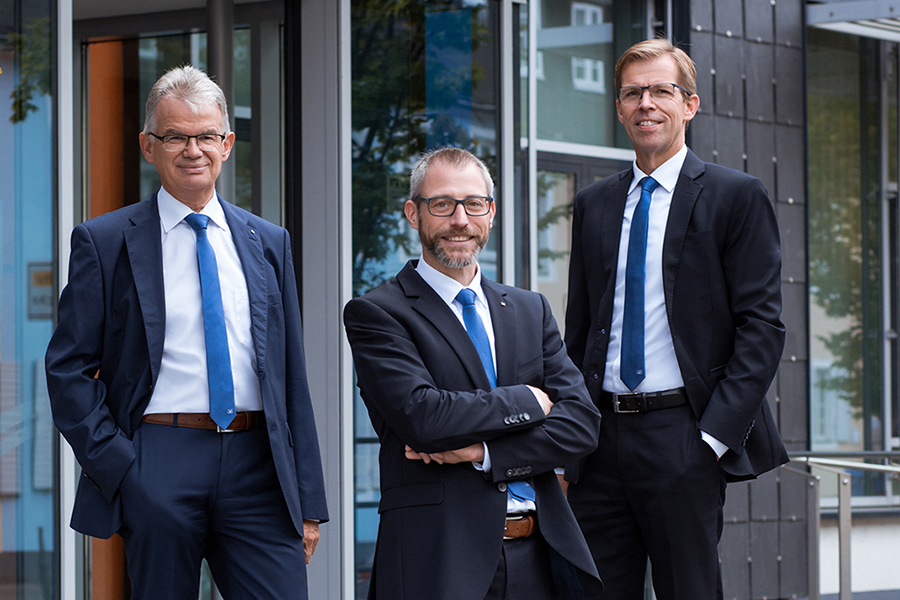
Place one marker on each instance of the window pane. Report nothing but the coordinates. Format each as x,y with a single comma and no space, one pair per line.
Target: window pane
845,270
577,47
424,75
556,190
28,523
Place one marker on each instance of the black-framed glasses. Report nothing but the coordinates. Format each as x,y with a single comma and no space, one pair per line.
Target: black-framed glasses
177,142
632,94
443,206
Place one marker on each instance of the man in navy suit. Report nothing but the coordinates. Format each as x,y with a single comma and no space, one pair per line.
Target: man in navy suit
475,402
133,373
674,319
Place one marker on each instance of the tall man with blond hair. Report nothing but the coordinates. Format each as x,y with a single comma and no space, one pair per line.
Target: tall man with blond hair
673,317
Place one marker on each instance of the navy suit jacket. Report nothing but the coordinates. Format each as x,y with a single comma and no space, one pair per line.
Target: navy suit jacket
423,383
105,355
722,283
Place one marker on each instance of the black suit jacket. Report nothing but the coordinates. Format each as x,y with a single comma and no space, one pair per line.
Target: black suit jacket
112,324
722,280
423,383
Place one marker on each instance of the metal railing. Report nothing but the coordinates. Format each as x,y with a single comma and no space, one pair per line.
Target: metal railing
838,463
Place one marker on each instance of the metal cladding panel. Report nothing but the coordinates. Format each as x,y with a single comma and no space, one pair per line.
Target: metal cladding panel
758,24
737,503
793,411
764,497
764,568
793,315
788,85
701,51
772,397
729,17
794,561
760,140
791,167
729,76
734,552
701,16
789,22
793,494
730,142
792,225
701,134
760,90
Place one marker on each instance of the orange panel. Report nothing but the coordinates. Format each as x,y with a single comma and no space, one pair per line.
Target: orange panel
106,118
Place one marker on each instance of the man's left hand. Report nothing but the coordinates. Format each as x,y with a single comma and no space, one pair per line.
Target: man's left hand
310,538
473,453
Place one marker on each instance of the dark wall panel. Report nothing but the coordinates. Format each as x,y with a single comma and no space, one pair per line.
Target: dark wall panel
789,85
760,139
793,422
789,23
701,51
734,552
730,142
791,165
760,90
764,497
729,81
764,567
728,17
792,225
758,15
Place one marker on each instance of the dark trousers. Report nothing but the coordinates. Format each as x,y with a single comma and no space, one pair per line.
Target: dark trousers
652,488
195,493
523,572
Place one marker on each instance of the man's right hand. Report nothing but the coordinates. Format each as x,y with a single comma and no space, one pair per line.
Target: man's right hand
542,398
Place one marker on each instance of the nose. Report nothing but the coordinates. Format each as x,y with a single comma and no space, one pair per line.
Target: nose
193,147
646,98
459,218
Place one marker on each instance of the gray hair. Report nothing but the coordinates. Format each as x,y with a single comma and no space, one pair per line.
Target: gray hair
451,156
189,85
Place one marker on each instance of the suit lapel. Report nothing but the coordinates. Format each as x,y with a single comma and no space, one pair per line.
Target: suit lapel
683,200
427,303
143,242
248,243
610,229
503,318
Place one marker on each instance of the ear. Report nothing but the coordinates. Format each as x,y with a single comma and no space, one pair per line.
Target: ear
227,145
493,211
412,214
619,112
692,105
146,143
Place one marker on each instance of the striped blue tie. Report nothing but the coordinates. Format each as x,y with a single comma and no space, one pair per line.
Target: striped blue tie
218,359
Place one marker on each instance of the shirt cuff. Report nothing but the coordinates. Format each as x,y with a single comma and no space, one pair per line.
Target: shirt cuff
484,465
718,447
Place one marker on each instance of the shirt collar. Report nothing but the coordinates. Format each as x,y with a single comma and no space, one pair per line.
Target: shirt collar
447,287
666,174
172,212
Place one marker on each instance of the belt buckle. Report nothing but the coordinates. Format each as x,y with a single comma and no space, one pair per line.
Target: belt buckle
220,430
618,409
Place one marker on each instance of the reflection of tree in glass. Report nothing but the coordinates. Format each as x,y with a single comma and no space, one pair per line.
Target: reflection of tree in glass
391,123
557,214
32,48
844,262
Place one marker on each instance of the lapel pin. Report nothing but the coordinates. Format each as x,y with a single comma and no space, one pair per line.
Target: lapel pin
502,303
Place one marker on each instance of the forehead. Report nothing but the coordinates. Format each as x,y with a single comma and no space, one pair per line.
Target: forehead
176,115
646,72
447,180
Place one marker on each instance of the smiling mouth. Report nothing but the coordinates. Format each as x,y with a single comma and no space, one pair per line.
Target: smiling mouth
647,123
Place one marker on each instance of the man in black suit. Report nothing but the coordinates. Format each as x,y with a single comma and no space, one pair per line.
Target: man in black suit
186,402
674,318
475,402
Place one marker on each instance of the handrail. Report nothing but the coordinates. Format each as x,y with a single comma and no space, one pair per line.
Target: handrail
839,463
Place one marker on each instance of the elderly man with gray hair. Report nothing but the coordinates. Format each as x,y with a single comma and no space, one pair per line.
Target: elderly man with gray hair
177,373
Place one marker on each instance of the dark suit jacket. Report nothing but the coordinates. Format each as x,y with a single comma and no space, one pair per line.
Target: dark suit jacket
722,280
423,383
112,322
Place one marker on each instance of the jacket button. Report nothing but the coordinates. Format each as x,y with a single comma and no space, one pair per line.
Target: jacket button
506,420
510,472
502,487
526,416
595,376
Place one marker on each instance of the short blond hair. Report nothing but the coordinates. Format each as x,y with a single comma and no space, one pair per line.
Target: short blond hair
657,48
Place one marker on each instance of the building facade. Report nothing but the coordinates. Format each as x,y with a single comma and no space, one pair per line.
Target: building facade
333,100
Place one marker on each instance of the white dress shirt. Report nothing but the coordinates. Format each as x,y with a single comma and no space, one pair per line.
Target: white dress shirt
183,384
447,288
661,370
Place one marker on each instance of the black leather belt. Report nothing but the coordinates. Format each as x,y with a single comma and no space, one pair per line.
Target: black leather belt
643,401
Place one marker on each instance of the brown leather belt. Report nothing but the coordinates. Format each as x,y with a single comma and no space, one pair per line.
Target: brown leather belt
519,526
242,420
643,402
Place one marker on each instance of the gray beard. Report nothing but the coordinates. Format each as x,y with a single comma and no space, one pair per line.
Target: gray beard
437,251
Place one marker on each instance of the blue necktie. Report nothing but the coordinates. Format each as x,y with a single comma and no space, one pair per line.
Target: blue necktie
632,368
218,359
520,490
